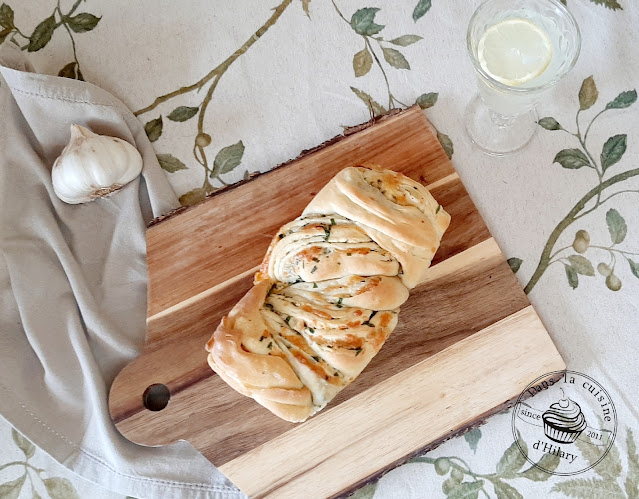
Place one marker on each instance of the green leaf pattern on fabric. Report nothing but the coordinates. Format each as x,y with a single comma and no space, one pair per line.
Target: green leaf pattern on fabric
549,462
608,468
377,108
506,491
378,56
306,5
623,100
405,40
193,197
60,488
506,480
395,58
466,490
572,159
515,264
588,94
472,437
572,276
420,9
581,265
589,488
72,23
616,226
363,22
12,489
550,124
170,163
183,113
83,22
512,460
613,150
23,444
459,482
631,484
446,144
4,33
362,62
366,492
6,16
56,487
428,100
72,71
42,34
154,128
228,158
609,4
612,154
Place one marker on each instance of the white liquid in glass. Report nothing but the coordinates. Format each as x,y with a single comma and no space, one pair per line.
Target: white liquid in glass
507,102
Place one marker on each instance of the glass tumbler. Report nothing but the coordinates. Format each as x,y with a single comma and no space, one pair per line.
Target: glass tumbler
501,119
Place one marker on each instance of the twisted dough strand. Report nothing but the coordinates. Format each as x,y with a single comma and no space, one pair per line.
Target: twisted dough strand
328,292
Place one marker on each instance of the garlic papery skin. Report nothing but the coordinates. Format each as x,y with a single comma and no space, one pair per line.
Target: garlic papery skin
93,166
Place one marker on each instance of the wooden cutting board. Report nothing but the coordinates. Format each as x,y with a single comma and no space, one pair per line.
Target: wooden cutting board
468,340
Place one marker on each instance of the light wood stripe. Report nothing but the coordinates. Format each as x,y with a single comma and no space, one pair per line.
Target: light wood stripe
212,290
481,252
415,407
442,181
201,296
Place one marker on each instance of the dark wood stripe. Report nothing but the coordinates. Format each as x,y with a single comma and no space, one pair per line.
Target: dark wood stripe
467,228
179,384
229,233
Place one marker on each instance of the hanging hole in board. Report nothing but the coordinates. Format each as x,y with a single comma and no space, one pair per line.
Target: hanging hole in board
156,397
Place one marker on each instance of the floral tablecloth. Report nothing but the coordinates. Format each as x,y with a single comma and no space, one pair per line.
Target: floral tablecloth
228,88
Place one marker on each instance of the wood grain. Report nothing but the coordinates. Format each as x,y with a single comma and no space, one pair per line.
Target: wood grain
425,402
469,307
234,228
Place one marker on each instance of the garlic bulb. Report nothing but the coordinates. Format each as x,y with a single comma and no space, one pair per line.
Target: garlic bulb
93,166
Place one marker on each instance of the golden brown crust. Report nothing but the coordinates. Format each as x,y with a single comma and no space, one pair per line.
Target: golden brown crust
328,292
410,230
254,374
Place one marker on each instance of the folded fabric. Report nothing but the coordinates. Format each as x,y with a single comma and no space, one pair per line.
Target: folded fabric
73,289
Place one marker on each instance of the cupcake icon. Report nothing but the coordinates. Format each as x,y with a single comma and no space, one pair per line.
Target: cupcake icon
564,421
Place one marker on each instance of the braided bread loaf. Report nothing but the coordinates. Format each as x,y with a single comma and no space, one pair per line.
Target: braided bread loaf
328,292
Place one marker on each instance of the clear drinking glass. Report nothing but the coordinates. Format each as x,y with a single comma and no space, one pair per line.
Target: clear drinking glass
502,119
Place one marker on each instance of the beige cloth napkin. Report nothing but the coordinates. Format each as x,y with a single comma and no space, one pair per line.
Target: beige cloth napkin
73,289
